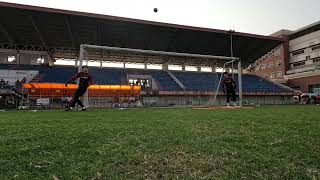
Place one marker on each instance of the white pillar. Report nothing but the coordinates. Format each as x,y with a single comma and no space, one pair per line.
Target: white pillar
199,68
213,68
183,67
145,65
228,69
51,60
165,66
18,58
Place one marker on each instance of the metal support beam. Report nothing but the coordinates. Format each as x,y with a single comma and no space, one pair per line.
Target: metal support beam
66,19
6,34
36,28
240,82
14,51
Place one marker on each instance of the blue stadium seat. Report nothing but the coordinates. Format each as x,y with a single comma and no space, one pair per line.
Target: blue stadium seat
108,76
193,81
60,74
253,83
100,76
57,74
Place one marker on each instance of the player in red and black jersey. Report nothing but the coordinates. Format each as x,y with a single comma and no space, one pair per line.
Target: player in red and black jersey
229,88
85,80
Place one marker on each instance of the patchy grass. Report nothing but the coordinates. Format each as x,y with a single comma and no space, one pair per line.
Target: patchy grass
273,142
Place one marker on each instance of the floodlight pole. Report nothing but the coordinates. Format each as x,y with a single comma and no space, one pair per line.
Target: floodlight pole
231,50
240,82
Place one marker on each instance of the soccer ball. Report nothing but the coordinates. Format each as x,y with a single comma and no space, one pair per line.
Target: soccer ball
155,10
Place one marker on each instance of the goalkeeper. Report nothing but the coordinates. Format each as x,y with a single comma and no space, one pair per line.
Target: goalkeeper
85,80
229,88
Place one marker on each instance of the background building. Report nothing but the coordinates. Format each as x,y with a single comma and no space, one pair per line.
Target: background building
296,62
304,62
274,64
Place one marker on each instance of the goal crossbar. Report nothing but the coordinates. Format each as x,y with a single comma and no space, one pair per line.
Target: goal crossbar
152,52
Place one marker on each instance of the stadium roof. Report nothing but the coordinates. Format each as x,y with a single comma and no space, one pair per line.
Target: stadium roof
305,30
55,28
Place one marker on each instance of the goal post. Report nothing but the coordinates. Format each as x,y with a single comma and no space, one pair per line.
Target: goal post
239,70
86,50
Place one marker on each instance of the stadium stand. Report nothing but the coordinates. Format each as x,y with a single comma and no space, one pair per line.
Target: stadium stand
32,50
57,74
193,81
109,76
60,74
253,83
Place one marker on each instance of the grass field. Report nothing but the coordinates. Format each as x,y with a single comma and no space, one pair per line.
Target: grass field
273,142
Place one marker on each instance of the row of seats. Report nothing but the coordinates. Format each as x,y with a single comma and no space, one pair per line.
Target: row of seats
253,83
193,81
198,81
60,74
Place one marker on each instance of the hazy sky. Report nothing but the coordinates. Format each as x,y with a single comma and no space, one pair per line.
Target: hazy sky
251,16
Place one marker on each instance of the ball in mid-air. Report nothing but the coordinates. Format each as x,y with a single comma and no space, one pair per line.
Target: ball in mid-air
155,10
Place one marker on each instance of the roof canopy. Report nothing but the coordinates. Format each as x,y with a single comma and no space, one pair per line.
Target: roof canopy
305,30
54,28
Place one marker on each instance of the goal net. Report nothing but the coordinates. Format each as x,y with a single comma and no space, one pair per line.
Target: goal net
101,58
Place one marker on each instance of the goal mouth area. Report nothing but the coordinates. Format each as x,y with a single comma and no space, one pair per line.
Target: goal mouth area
91,52
223,107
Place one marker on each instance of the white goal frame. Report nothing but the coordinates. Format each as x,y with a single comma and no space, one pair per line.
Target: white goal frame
228,60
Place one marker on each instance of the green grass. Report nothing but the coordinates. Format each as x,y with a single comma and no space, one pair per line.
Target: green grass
273,142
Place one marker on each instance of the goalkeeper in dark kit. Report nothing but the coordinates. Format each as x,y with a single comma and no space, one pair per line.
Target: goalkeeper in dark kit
85,80
229,88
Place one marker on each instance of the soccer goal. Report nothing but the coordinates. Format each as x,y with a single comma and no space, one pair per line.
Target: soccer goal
94,55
